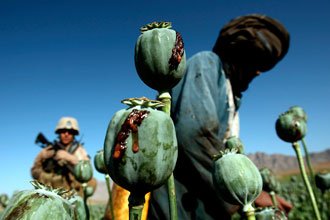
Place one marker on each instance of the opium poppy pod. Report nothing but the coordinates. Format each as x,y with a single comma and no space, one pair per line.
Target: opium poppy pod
290,127
42,202
99,162
140,148
269,181
236,179
322,181
234,142
160,59
83,171
299,112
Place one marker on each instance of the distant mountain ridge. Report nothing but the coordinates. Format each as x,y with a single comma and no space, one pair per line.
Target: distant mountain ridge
279,162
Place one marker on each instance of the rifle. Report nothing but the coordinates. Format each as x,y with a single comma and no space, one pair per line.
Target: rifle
43,142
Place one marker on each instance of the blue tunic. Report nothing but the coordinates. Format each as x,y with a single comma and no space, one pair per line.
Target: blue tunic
202,115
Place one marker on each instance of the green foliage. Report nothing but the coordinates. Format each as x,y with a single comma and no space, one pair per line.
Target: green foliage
295,192
97,211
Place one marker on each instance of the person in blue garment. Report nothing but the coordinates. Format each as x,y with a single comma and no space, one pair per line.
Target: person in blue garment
205,107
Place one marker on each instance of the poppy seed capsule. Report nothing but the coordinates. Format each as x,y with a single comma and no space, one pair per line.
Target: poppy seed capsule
299,112
269,181
99,162
322,181
140,148
237,180
290,128
160,59
235,143
83,171
43,203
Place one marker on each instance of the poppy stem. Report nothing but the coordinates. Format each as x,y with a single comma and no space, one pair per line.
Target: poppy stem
296,147
165,97
136,204
273,196
249,212
84,185
310,168
107,179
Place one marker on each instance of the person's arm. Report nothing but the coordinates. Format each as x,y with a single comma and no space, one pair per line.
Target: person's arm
37,168
64,157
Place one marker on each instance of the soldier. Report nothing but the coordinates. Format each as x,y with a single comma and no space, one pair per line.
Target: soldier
54,163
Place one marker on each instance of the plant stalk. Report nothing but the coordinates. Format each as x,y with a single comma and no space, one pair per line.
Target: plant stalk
84,185
165,97
273,196
310,168
249,213
135,203
135,212
296,147
107,179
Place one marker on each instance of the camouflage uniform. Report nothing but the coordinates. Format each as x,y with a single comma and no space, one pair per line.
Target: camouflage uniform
57,174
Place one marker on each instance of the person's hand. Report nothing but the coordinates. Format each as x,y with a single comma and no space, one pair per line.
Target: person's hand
47,153
63,157
265,200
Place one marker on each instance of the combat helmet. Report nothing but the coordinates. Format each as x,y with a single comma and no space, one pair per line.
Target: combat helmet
68,123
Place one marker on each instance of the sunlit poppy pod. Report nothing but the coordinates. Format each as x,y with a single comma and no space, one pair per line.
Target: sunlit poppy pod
235,143
99,162
236,179
160,59
290,128
83,171
299,112
140,148
42,203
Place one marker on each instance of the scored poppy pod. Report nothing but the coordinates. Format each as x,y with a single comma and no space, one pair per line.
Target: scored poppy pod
160,59
140,148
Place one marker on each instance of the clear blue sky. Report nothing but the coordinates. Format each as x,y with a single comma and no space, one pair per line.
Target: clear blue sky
76,58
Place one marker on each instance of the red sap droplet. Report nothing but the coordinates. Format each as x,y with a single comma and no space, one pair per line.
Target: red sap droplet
133,120
179,58
135,147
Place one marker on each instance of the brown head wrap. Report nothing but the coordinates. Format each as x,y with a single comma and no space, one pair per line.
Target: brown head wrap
254,41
